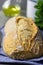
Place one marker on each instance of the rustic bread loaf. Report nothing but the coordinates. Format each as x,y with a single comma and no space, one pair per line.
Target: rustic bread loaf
22,38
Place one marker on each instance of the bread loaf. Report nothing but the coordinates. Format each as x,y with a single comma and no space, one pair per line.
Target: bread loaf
22,38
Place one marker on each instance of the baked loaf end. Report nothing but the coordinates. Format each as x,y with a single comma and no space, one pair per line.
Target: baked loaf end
22,38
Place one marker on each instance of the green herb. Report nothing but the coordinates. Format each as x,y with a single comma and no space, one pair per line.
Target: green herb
39,14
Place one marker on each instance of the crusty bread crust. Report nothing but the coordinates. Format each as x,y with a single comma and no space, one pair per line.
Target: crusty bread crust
22,38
